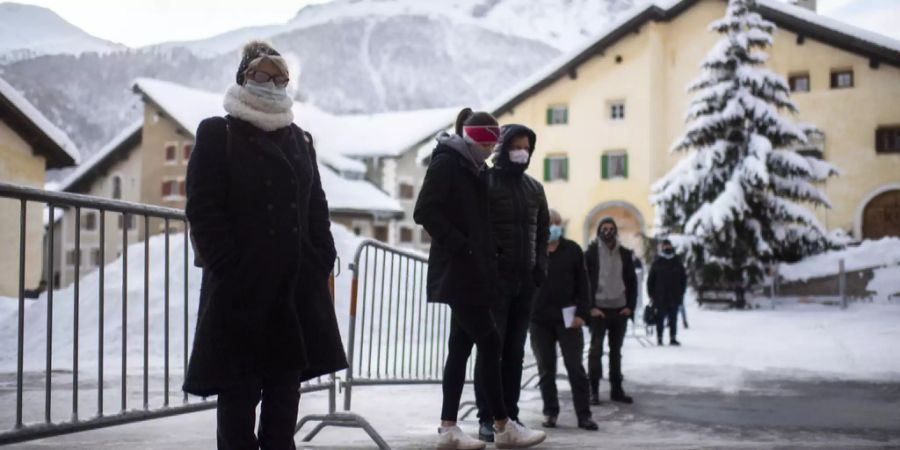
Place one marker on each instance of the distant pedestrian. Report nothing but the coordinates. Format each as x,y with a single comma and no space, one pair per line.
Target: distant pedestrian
519,226
259,219
666,284
453,207
561,308
614,289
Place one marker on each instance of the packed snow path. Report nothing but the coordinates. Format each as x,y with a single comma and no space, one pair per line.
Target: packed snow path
798,377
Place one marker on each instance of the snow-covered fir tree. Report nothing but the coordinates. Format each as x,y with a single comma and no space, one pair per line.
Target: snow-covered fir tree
740,197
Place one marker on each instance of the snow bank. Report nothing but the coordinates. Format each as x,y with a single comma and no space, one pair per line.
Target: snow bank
868,254
721,348
89,312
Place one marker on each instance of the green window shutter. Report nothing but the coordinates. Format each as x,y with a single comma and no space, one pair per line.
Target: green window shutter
549,116
604,167
625,165
566,169
546,169
566,115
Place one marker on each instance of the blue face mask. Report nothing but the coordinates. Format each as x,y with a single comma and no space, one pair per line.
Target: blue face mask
267,90
555,232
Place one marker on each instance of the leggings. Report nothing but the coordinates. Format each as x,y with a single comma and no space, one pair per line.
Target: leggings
472,325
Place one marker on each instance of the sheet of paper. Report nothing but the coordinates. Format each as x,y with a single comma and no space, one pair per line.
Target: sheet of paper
568,315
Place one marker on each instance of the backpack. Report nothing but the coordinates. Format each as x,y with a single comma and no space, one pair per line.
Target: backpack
649,315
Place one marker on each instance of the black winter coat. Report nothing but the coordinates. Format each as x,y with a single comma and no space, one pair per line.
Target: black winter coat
259,219
566,285
519,216
592,260
453,207
667,282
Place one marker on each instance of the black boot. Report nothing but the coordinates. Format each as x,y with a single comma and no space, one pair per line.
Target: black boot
585,423
659,340
595,392
549,422
673,341
617,394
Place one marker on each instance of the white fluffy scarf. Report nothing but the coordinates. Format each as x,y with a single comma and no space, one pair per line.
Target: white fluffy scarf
265,114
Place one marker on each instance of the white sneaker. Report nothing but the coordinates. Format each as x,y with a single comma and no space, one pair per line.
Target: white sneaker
517,435
453,438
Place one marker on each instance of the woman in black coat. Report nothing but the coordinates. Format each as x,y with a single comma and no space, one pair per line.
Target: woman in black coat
462,271
259,221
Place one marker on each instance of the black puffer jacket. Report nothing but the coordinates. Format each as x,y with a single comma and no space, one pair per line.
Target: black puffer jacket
667,282
453,207
519,217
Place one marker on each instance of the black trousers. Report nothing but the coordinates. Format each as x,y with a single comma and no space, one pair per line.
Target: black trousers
512,315
472,326
615,324
544,337
667,314
236,414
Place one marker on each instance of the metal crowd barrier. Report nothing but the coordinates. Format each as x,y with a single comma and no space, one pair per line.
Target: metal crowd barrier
152,405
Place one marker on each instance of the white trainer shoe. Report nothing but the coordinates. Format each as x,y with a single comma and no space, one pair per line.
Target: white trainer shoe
454,438
517,435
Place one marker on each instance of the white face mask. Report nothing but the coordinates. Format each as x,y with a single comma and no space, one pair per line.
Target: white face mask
519,156
266,90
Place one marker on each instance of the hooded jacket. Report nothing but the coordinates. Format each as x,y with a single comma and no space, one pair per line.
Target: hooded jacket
453,207
520,220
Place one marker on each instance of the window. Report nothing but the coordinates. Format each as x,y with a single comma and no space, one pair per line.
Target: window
89,221
887,139
799,82
71,257
841,79
406,235
171,154
116,187
614,165
407,191
556,168
558,115
380,233
424,237
182,188
126,218
187,149
617,110
56,282
95,257
173,188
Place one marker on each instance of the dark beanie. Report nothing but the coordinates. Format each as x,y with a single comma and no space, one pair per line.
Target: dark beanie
253,50
666,242
606,219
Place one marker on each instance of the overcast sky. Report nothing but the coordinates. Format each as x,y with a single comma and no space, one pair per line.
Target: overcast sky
141,22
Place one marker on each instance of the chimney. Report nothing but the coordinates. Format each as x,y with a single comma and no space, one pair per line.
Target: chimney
808,4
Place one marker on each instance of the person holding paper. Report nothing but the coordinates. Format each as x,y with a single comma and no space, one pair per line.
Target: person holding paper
561,309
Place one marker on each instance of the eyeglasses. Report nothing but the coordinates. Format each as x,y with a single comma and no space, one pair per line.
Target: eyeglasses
262,77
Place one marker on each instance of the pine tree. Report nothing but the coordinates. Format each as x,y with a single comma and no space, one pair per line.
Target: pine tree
736,202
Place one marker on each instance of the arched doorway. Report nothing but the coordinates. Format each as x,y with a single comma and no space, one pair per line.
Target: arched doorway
881,215
627,217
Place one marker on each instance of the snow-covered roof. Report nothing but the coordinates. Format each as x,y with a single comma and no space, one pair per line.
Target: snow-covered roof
114,146
188,107
64,152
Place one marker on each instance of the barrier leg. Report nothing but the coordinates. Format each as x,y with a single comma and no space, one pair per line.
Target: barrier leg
344,420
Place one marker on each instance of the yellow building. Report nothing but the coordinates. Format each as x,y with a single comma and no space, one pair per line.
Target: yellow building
29,145
607,115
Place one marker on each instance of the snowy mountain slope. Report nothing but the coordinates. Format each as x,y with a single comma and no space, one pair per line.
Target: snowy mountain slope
364,65
560,24
28,31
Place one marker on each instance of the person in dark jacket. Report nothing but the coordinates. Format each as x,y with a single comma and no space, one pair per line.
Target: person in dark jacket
666,284
453,207
259,221
614,288
519,223
564,289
